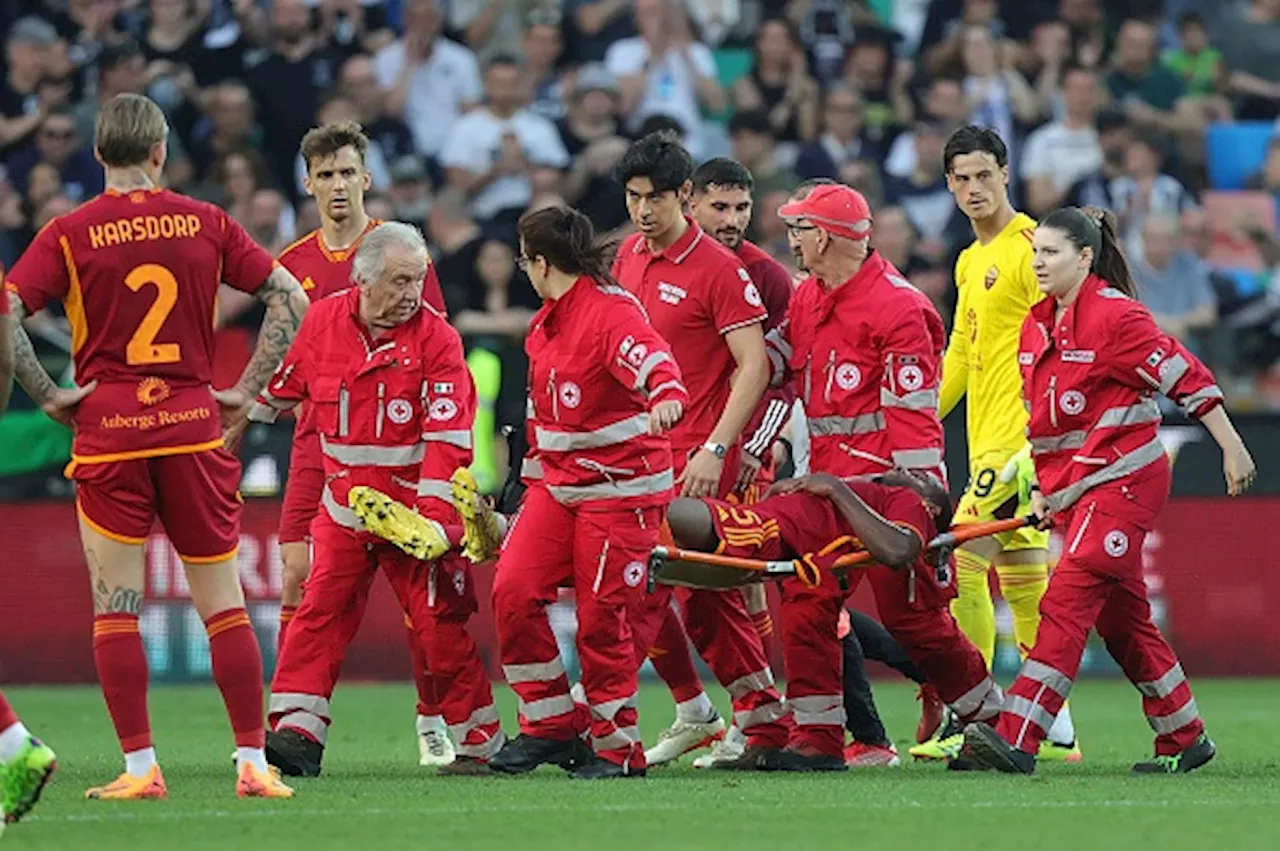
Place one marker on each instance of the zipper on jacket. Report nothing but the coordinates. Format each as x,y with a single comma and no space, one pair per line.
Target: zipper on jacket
1053,401
382,409
831,374
555,397
344,411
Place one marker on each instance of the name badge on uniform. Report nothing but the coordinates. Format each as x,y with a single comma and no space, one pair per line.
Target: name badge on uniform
1079,356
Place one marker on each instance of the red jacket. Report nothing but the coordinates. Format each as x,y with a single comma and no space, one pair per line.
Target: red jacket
596,369
774,411
393,413
1090,386
865,358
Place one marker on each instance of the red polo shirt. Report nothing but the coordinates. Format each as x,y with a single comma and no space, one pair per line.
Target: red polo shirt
695,292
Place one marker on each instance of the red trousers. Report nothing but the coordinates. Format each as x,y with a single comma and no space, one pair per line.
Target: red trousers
603,553
438,597
914,610
1098,583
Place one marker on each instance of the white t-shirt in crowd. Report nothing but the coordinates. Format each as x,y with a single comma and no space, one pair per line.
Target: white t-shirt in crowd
449,78
670,84
1064,154
475,143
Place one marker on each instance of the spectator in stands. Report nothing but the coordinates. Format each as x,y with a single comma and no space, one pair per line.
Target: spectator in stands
1267,178
43,183
173,46
57,145
290,83
429,79
593,136
493,152
58,205
497,313
228,125
755,147
665,71
1144,190
1250,46
352,27
1174,284
410,194
1094,190
488,27
826,30
842,141
725,23
779,83
872,70
1150,95
997,95
543,49
270,220
1045,61
236,176
86,25
1089,34
943,103
925,199
944,32
1064,151
1194,61
599,24
388,133
27,49
379,207
455,241
895,239
14,233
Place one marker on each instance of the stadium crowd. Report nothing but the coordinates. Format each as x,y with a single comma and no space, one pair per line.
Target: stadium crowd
482,109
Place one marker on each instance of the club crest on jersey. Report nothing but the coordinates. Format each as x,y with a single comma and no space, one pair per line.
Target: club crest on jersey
633,574
670,293
152,391
848,376
911,377
1072,402
1116,543
993,274
750,293
570,395
308,284
399,411
443,409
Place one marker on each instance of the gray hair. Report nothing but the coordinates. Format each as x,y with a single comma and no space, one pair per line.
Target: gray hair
371,255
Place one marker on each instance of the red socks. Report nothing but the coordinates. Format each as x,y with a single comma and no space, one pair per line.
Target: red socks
673,661
122,671
286,618
7,716
237,669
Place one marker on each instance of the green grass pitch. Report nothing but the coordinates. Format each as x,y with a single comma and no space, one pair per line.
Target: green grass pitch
374,797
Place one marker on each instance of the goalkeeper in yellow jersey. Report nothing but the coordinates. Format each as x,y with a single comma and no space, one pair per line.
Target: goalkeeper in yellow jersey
996,290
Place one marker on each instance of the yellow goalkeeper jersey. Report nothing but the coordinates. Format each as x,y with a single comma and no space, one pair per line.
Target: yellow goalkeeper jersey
996,290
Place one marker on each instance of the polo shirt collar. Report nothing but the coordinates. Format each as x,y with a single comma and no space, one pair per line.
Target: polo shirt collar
678,251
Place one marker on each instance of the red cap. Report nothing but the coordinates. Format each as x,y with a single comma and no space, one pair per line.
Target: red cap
835,208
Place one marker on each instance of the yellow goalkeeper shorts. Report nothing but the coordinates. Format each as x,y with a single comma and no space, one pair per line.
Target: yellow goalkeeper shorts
986,498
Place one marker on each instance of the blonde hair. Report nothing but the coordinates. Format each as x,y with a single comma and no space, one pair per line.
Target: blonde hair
128,127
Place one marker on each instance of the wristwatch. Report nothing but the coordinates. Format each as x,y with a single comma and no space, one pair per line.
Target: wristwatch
717,449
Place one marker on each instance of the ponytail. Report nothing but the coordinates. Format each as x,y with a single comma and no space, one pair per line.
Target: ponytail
566,238
1095,229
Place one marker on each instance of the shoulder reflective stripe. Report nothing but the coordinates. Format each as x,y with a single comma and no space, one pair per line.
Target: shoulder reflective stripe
1174,721
260,413
775,340
919,400
916,458
340,514
1148,453
861,424
639,486
1196,400
1046,674
664,387
650,363
1146,411
634,426
1164,686
460,438
1171,371
359,455
435,487
528,407
1058,443
531,468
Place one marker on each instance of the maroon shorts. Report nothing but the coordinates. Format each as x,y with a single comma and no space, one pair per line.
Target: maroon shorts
303,489
196,497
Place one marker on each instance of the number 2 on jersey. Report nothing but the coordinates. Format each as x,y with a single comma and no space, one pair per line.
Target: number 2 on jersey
143,349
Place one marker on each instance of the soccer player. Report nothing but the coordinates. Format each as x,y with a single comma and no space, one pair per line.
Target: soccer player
702,301
996,291
26,763
721,205
1092,359
892,516
337,178
137,270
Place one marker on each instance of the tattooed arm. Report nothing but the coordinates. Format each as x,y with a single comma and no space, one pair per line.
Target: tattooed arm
58,402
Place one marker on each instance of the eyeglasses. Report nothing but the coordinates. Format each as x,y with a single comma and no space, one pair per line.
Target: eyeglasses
797,230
